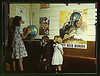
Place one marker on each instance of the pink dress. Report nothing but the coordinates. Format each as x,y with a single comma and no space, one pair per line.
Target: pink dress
19,50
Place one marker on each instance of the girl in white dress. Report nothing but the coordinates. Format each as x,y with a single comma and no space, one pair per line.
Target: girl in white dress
57,58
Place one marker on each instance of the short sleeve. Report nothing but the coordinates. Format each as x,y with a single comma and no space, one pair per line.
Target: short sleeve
60,47
53,45
20,30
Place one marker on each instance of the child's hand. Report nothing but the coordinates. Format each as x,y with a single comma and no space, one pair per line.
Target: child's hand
44,59
28,30
41,43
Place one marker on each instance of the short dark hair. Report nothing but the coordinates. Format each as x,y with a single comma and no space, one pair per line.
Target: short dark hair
46,38
55,36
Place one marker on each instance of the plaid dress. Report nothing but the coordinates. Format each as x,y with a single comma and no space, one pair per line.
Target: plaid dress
19,50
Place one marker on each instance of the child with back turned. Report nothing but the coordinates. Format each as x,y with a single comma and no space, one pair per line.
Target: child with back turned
18,46
57,58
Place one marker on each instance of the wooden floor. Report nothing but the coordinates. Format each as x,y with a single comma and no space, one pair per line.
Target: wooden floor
71,64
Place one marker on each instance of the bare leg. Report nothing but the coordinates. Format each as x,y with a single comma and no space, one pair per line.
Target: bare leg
7,67
14,66
59,67
21,64
45,67
56,69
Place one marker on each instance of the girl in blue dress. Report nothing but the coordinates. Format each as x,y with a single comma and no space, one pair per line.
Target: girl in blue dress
18,46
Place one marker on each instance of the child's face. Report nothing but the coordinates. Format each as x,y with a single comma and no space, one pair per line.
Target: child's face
55,39
43,41
20,21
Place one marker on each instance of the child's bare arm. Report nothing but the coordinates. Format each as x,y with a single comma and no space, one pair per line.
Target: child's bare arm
24,36
62,52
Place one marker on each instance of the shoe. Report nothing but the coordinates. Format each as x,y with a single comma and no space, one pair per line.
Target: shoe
22,72
59,71
56,72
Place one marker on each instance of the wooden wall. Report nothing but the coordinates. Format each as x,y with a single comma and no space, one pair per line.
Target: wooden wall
54,14
89,52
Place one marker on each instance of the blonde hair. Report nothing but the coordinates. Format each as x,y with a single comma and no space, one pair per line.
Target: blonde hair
56,36
59,40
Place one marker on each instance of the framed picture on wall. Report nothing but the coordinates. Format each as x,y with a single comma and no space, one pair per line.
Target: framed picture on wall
44,25
44,5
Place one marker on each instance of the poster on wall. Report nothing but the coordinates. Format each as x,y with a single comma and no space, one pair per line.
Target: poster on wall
73,28
20,11
44,25
44,5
